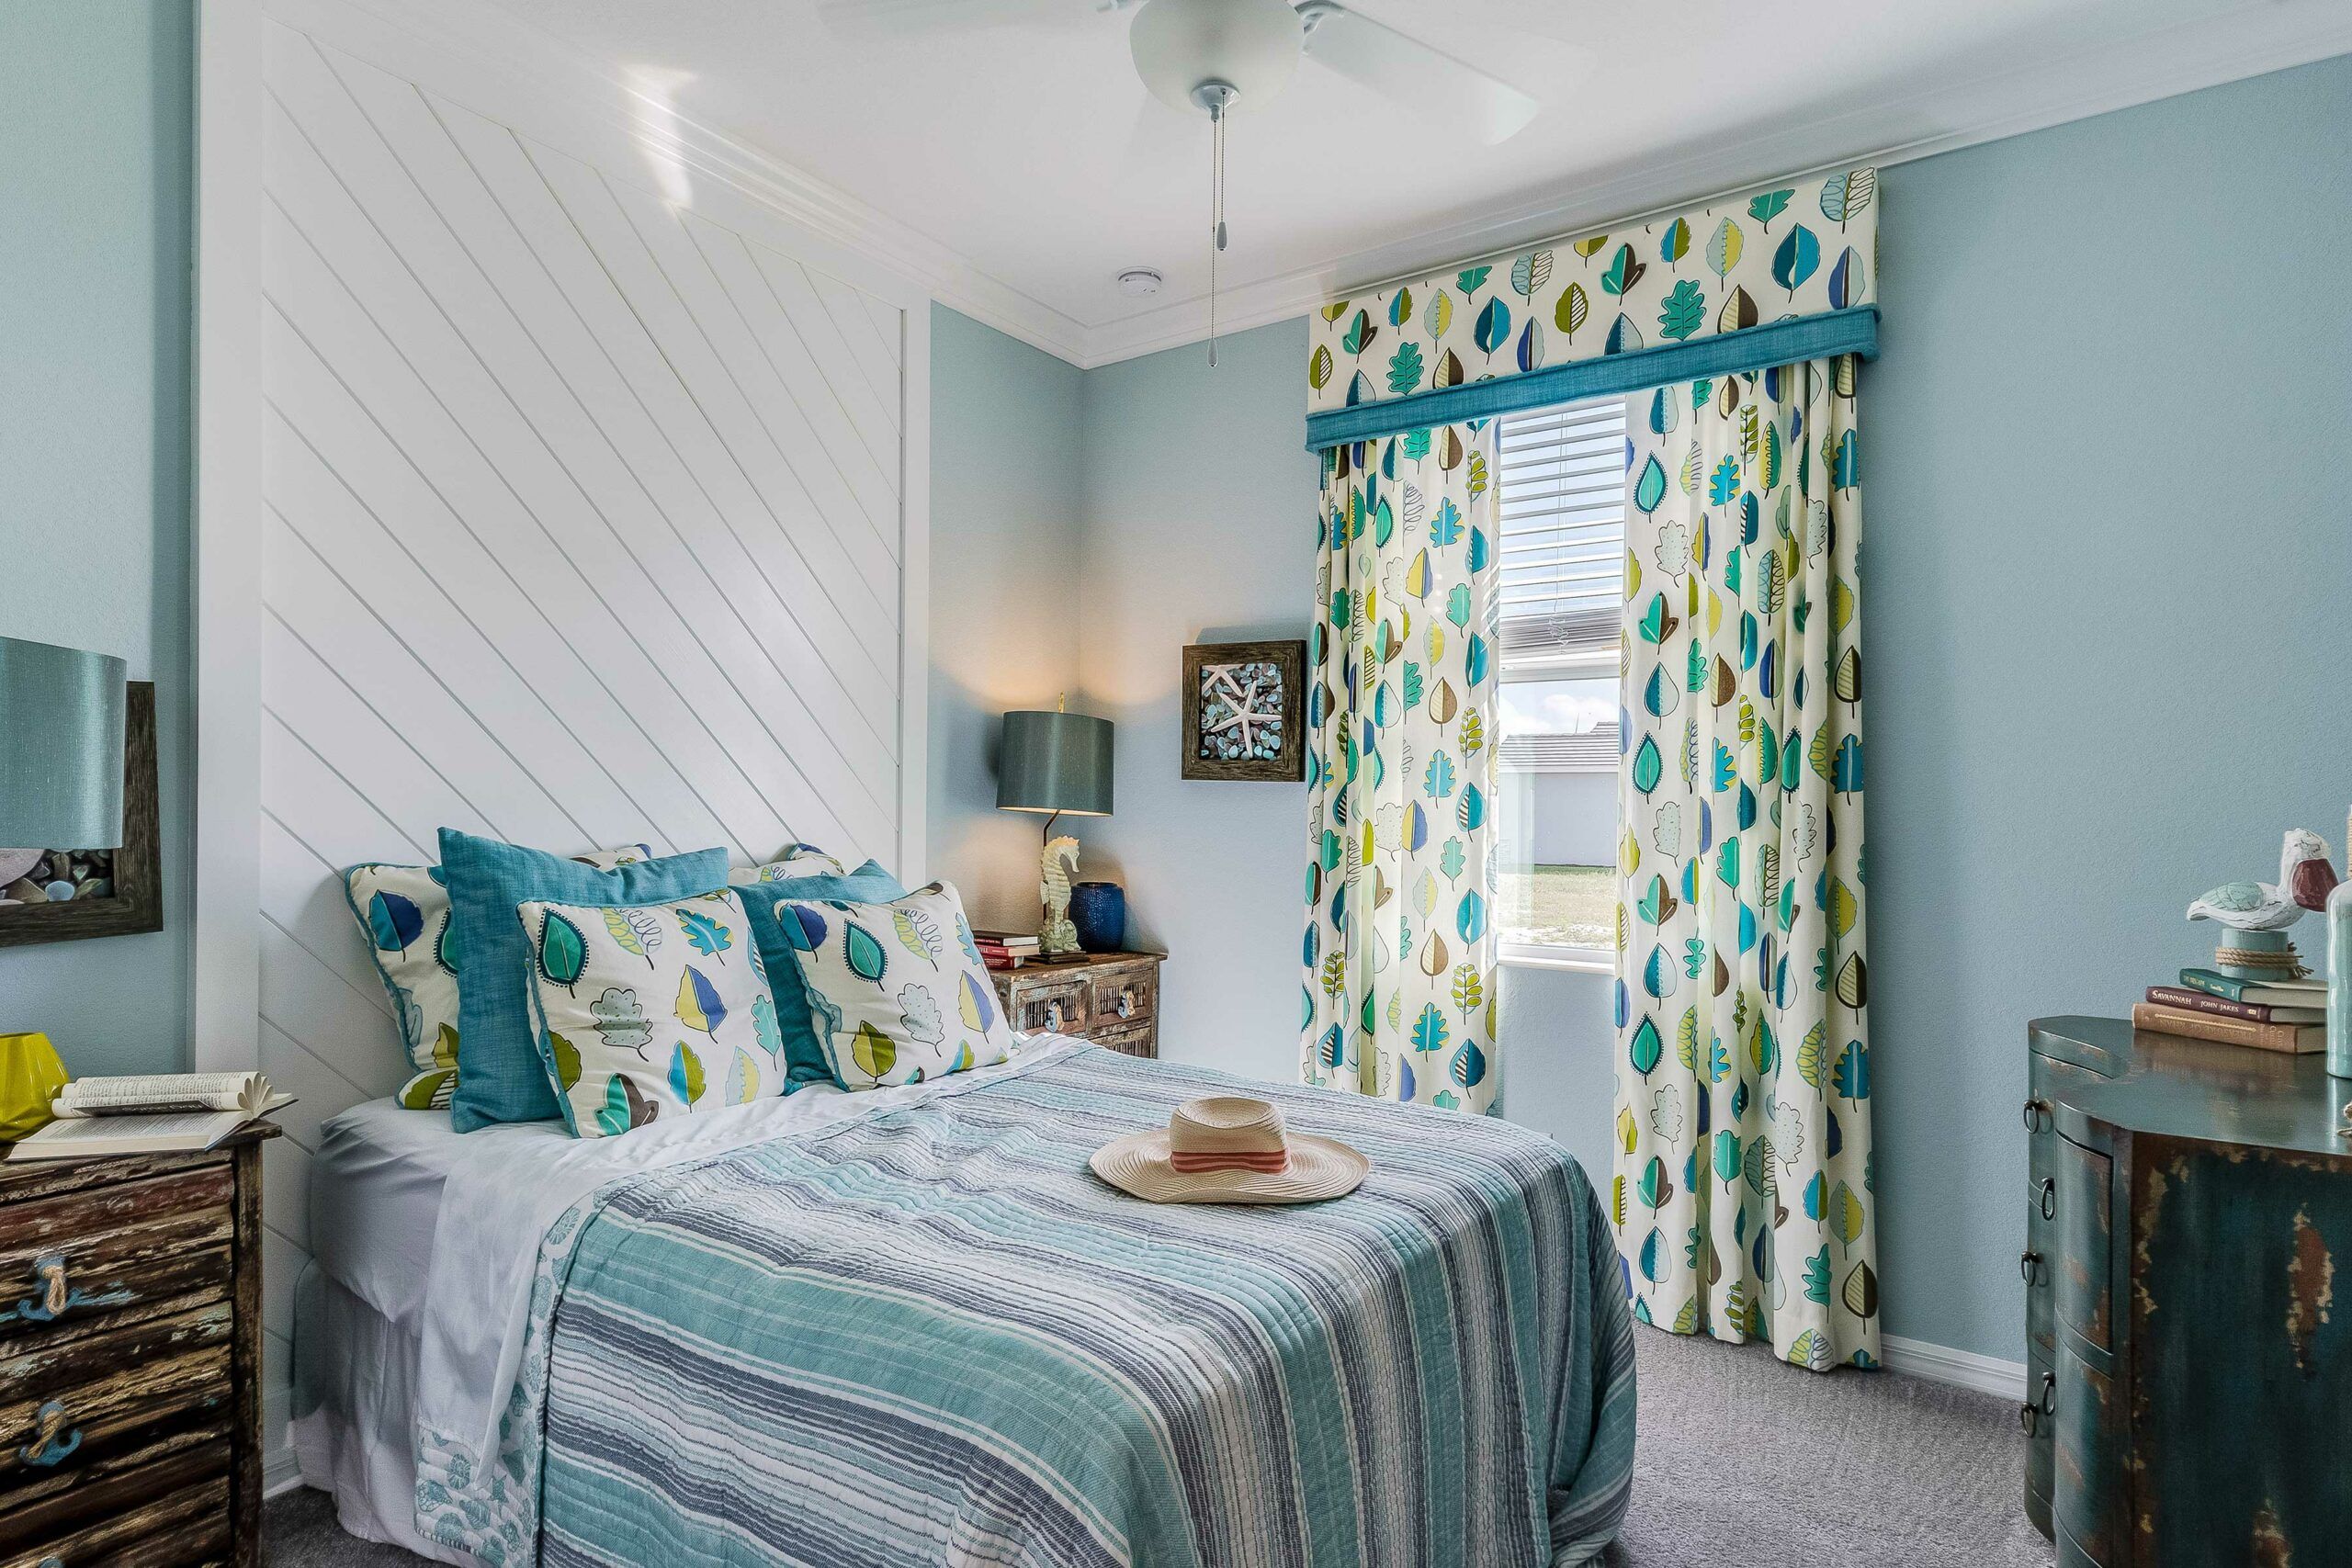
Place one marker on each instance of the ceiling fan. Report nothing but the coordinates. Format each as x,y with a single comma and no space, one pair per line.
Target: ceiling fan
1211,56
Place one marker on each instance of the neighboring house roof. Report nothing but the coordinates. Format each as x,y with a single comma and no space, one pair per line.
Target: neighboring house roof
1594,751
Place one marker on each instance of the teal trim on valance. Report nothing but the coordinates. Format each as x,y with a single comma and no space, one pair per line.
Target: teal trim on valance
1781,342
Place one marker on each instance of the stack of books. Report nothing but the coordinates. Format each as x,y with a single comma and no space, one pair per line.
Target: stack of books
1004,950
2270,1015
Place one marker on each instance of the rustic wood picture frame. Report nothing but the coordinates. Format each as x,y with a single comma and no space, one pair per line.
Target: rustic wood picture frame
1289,765
137,904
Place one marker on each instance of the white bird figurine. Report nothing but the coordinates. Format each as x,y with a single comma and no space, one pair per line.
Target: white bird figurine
2305,875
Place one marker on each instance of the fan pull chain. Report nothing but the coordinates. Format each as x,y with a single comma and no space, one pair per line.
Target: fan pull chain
1216,213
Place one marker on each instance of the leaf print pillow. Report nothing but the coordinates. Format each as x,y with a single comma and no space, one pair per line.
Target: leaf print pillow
897,991
650,1010
403,914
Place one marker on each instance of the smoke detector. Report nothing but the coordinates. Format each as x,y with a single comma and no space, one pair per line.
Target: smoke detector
1139,281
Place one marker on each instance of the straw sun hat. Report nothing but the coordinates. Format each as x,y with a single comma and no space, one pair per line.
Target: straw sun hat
1229,1149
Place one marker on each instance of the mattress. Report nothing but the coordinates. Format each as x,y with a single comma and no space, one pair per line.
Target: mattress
376,1196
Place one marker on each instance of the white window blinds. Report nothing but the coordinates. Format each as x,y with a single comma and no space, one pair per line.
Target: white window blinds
1562,495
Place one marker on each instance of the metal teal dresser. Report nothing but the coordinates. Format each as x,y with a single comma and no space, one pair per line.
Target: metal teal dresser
2189,1397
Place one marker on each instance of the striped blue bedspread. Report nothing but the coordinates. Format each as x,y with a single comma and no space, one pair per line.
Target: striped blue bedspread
934,1335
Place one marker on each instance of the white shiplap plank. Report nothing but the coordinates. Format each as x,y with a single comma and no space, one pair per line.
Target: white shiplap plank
312,1004
690,471
429,391
367,680
483,685
324,812
303,894
305,695
870,465
286,1190
876,413
873,362
848,492
465,531
320,1092
822,716
889,325
856,569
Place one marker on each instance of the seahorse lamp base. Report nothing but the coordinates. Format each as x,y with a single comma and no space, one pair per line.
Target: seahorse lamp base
1056,936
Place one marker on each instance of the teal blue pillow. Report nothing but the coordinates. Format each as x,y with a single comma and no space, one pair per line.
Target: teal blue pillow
869,883
500,1078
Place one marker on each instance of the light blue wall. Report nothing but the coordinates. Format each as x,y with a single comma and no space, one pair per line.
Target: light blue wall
2105,639
1199,503
94,191
1005,566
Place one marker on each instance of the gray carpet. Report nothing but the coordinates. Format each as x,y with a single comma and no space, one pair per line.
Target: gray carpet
1743,1461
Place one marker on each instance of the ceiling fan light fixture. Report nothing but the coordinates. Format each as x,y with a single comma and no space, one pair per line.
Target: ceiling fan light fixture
1250,46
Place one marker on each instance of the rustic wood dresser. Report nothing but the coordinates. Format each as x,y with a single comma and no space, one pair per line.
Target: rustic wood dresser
2189,1372
1112,999
130,1359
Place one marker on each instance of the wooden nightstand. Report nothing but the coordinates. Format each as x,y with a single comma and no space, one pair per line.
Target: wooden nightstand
1112,999
130,1357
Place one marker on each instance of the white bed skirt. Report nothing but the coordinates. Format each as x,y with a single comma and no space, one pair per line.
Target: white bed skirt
352,1430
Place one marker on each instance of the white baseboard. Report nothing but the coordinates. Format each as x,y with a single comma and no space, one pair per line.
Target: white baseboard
279,1474
1960,1369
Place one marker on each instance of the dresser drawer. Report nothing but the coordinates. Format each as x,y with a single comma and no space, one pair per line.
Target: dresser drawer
1125,995
185,1528
73,1403
80,1260
1129,1039
2084,1232
1058,1005
2090,1498
43,1518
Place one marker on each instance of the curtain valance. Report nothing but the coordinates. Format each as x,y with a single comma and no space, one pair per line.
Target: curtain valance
1769,277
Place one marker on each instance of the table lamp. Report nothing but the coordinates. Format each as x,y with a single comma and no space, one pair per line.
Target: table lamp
61,714
62,718
1055,763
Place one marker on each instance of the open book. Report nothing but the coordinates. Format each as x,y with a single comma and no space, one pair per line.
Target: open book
163,1113
246,1092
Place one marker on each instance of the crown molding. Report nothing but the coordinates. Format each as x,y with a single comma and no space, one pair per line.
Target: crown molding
2033,97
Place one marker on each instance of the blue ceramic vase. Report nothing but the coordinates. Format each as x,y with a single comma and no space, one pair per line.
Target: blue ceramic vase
1099,910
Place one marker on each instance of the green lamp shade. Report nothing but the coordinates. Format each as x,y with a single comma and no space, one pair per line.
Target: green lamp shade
60,747
1055,761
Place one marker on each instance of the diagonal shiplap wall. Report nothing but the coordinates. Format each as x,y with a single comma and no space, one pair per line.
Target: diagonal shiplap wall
585,523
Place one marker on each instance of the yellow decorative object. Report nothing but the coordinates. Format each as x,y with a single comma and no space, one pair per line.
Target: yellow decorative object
30,1076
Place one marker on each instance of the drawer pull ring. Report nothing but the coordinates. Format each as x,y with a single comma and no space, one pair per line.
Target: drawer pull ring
1127,1003
2029,1265
47,1448
2049,1405
2049,1198
2029,1417
1053,1018
2036,1109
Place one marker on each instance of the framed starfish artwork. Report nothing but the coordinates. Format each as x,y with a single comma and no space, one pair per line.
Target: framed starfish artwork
1244,711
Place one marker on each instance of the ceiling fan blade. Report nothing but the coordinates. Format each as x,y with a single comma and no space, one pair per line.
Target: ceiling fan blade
1414,74
903,18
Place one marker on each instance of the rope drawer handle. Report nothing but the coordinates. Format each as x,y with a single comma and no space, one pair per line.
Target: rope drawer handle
54,1295
47,1448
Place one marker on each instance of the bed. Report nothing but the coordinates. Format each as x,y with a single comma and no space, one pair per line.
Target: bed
909,1325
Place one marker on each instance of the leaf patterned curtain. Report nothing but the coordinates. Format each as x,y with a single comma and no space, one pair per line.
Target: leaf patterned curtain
1399,993
1743,1195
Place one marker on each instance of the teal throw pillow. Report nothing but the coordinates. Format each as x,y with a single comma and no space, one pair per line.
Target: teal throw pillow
804,1057
500,1076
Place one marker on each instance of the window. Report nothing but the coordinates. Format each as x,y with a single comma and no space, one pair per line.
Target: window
1563,495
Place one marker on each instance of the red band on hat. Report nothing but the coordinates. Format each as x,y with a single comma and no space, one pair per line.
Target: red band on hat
1273,1162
